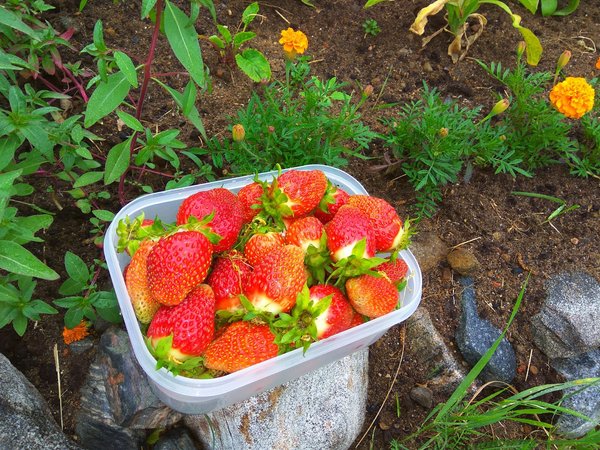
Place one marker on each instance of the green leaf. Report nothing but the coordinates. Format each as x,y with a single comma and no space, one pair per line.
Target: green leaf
71,287
112,315
13,21
254,64
147,6
104,299
73,317
130,121
126,65
20,324
373,3
98,36
40,307
242,37
88,178
76,268
16,259
532,5
183,39
224,31
69,302
117,161
11,62
103,214
250,13
106,98
188,100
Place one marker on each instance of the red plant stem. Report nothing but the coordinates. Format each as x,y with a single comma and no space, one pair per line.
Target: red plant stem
93,282
80,88
144,88
169,74
49,85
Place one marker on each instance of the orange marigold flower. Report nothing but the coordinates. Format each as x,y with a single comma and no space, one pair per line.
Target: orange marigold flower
75,334
294,42
598,64
573,97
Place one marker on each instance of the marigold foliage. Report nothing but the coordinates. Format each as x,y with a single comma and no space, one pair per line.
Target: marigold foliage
294,42
573,97
75,334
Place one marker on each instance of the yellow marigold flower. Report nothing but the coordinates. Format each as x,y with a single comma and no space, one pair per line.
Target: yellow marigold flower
75,334
294,42
573,97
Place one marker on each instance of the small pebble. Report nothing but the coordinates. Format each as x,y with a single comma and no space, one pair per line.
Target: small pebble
422,395
463,261
574,241
384,425
533,370
427,66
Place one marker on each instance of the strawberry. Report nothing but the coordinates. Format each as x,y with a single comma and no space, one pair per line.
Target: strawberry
294,193
277,280
177,264
241,345
384,220
348,227
228,214
331,202
260,244
357,320
304,232
191,324
372,296
395,270
337,317
229,273
144,305
249,196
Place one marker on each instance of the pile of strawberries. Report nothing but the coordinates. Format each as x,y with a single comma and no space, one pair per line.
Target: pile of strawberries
240,278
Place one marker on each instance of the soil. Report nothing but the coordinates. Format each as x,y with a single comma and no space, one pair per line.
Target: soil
507,234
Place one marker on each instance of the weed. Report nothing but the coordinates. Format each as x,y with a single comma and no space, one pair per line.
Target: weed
371,27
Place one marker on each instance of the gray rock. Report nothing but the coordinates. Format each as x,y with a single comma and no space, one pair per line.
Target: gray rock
176,439
117,403
25,420
323,409
426,346
567,324
474,336
422,395
586,401
429,250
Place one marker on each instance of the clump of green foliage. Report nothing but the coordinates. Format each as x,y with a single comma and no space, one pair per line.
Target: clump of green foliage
371,27
302,120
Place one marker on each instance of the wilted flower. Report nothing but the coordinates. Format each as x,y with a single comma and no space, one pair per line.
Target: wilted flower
598,64
75,334
573,97
238,133
294,42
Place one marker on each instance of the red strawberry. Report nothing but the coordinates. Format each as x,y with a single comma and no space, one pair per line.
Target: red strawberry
241,345
384,221
372,296
277,280
192,324
305,232
260,244
144,305
177,264
337,317
300,192
226,279
228,214
395,270
250,195
357,320
348,227
333,199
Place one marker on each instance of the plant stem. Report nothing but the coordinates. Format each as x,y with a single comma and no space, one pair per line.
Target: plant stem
76,82
143,90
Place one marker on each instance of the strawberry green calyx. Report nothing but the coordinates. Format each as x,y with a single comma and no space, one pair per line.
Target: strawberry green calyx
131,233
355,264
318,261
403,239
201,225
162,351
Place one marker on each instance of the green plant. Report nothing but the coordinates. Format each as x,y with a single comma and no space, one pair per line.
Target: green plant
562,209
458,14
433,140
550,7
84,298
304,120
461,423
250,61
371,27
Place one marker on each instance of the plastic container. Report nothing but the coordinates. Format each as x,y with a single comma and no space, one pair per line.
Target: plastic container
192,396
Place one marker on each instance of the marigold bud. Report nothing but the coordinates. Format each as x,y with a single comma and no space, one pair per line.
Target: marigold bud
563,60
500,107
238,132
521,49
368,90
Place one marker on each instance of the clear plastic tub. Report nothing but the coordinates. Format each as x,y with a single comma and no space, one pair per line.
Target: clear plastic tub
192,396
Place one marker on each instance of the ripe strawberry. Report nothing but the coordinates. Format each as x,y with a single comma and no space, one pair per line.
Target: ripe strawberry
384,220
331,202
250,195
337,317
305,232
192,324
228,214
241,345
348,227
177,264
372,296
296,193
357,320
260,244
144,305
277,280
395,270
226,279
